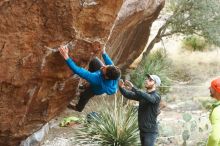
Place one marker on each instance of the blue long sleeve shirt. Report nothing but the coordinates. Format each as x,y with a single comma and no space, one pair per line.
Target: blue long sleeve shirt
98,83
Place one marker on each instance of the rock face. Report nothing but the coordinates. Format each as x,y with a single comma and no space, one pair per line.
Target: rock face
35,83
132,29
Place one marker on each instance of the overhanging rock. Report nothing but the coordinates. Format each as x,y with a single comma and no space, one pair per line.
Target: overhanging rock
35,83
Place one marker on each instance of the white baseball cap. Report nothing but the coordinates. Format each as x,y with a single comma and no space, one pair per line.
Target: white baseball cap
155,78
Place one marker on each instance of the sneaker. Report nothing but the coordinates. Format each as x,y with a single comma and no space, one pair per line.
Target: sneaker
73,107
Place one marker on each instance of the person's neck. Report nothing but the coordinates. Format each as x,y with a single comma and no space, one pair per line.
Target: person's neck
151,90
105,77
217,97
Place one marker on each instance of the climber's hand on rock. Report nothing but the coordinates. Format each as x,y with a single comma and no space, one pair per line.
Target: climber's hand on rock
64,51
103,50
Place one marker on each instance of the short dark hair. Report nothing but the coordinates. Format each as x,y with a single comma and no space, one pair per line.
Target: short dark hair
113,72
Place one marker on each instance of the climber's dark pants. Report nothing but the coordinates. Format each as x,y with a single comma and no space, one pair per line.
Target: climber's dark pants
94,65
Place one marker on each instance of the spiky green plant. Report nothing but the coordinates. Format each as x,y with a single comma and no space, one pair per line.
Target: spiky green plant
115,125
156,63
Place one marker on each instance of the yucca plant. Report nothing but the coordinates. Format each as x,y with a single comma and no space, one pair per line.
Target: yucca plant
115,125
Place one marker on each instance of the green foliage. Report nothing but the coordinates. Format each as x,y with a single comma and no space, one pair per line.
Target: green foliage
185,135
194,43
187,117
201,143
187,17
116,125
199,17
155,63
187,127
191,125
207,104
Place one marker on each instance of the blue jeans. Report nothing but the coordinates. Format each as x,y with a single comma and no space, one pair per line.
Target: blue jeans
148,138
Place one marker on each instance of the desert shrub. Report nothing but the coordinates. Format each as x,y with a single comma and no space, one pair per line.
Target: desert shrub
156,63
194,43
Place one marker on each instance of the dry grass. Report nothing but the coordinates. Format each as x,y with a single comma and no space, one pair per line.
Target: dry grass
197,66
193,67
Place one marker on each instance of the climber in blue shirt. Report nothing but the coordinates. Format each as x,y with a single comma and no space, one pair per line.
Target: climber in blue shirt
102,78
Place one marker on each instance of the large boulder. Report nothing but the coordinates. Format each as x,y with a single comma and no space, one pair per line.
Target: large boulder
35,83
131,30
